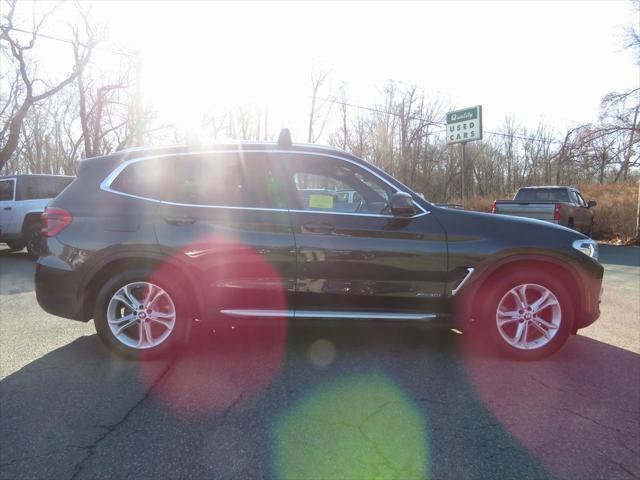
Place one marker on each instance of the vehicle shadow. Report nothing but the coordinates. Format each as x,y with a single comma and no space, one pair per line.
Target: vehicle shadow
17,272
325,402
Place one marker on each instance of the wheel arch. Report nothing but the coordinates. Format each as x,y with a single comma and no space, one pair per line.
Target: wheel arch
29,219
471,306
119,263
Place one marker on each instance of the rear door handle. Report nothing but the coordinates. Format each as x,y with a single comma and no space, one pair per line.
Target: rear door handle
180,220
319,227
7,208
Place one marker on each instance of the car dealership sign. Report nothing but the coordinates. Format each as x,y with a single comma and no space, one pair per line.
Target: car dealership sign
464,125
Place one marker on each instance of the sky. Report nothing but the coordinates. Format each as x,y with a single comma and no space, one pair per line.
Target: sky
536,60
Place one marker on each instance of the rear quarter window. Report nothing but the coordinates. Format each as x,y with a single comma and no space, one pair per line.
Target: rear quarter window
146,178
6,190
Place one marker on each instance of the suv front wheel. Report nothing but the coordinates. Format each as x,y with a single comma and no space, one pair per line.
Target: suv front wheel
140,316
529,315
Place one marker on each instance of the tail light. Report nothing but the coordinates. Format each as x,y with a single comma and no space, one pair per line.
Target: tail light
54,220
493,207
556,212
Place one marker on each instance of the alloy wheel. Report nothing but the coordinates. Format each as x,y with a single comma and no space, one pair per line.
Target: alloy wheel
141,315
528,316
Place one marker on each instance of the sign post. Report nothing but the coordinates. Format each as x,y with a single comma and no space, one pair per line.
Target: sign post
464,126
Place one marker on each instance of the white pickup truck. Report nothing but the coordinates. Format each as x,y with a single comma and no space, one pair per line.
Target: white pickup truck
22,201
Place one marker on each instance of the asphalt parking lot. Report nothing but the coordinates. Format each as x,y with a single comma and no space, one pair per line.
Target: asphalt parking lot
359,401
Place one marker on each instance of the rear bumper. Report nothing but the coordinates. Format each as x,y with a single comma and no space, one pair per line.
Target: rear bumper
57,293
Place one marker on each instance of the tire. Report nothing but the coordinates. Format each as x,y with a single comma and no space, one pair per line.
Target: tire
570,224
33,240
16,245
170,304
590,230
558,313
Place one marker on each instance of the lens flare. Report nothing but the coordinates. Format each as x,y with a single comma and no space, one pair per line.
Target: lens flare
226,360
358,427
322,353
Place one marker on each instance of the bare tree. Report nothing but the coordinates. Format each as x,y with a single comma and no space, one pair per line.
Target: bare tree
320,105
25,96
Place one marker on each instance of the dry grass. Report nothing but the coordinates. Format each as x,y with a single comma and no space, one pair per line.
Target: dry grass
616,214
614,218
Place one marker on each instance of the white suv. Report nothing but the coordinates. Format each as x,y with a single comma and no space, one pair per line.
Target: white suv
22,201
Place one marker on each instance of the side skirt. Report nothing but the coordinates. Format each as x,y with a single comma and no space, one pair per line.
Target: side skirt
319,314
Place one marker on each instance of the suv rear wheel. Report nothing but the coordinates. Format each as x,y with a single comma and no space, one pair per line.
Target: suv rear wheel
16,245
528,315
33,239
141,316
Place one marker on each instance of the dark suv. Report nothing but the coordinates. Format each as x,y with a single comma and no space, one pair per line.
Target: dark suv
144,241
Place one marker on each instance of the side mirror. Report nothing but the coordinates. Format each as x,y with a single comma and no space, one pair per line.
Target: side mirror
401,205
591,203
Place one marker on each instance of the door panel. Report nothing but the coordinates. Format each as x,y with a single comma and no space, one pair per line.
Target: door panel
223,217
7,207
353,257
368,263
242,259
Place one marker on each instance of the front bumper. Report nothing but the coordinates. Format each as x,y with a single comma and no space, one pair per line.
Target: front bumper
590,311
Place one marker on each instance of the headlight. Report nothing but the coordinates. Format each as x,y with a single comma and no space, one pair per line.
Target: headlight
588,247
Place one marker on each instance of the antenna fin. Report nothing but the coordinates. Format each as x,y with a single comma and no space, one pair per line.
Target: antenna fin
284,139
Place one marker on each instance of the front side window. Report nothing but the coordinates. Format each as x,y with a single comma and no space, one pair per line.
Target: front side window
574,198
6,190
321,184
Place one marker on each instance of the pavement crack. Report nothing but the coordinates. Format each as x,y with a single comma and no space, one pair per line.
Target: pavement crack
227,411
109,429
579,394
624,469
596,422
42,455
627,447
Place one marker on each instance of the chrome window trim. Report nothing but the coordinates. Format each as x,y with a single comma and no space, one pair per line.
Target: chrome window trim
267,313
464,280
105,185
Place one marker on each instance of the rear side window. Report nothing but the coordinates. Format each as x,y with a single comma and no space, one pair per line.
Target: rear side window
208,181
45,187
6,190
205,180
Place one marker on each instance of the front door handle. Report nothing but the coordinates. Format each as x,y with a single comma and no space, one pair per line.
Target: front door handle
319,227
7,208
180,220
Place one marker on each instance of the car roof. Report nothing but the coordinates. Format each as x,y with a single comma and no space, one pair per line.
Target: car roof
231,145
547,186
